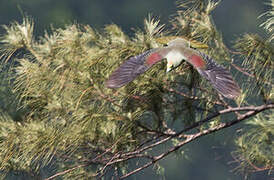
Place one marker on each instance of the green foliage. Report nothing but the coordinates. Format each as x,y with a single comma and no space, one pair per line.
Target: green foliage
255,147
60,80
269,23
258,59
196,23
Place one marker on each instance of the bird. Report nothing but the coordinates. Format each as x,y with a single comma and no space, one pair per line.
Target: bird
175,52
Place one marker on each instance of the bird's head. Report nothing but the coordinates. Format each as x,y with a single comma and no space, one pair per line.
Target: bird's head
179,42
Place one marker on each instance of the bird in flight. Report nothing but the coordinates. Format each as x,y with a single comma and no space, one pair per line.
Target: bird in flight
175,52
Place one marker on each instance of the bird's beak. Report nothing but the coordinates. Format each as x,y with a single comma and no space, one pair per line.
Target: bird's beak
168,68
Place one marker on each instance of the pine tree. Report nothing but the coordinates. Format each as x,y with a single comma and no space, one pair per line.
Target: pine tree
73,123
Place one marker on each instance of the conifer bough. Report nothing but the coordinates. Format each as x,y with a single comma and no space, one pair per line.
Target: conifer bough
175,52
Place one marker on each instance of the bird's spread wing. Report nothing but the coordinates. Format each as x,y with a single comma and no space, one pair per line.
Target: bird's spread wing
219,77
133,67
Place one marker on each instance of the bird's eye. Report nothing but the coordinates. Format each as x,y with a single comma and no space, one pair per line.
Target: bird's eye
193,47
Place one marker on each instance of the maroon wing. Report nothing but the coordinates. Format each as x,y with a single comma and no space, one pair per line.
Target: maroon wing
132,68
219,77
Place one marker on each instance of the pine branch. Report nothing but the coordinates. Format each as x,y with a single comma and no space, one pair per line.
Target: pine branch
124,156
252,112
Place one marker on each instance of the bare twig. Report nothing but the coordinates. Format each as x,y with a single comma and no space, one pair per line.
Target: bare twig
138,153
248,108
242,70
66,171
251,112
83,165
134,154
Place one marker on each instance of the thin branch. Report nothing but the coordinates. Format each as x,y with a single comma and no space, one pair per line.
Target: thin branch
188,96
242,70
225,111
66,171
106,165
83,165
249,74
241,159
251,112
197,124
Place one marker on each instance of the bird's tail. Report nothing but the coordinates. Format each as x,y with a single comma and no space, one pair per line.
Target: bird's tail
220,78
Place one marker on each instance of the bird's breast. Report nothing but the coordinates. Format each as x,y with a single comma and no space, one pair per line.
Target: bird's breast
175,57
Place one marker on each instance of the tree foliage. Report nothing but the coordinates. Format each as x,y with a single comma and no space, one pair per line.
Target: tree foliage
72,121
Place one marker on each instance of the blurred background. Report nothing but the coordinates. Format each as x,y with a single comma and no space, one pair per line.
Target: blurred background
208,158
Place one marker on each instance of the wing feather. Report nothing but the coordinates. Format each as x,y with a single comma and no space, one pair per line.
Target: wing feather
133,67
220,78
